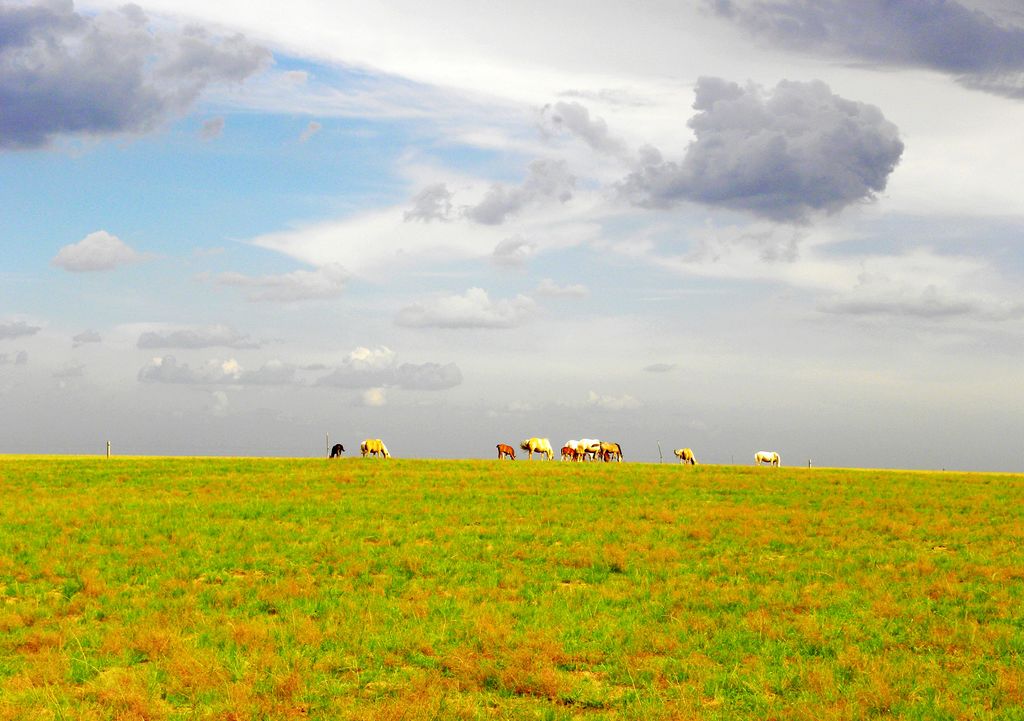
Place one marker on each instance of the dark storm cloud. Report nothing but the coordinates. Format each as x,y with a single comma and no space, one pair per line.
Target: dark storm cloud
941,35
781,154
547,180
201,337
65,73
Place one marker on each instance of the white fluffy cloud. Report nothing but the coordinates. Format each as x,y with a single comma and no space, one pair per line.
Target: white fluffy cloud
370,368
472,309
780,154
96,252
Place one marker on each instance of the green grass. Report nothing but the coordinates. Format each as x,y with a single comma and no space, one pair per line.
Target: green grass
181,588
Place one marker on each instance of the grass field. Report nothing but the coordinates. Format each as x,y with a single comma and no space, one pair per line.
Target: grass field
178,588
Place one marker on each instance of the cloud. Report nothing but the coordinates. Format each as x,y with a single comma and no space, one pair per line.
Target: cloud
311,129
166,369
96,252
472,309
612,403
17,329
72,370
978,50
427,376
20,358
86,336
547,180
574,118
550,288
514,251
218,404
918,286
781,154
660,367
374,398
432,203
196,337
62,73
375,368
328,281
212,128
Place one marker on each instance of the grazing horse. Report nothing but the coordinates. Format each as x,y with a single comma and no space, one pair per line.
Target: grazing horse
685,455
336,450
374,447
769,457
506,452
610,451
588,448
538,445
571,446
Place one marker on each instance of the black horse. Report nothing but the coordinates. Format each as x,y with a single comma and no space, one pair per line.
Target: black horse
337,450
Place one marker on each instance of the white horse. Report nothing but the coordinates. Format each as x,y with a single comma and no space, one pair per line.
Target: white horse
769,457
587,447
374,447
538,445
685,455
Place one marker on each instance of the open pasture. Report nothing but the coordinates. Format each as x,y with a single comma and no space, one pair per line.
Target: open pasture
187,588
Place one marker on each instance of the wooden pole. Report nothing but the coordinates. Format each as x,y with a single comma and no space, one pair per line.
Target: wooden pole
328,445
108,449
661,458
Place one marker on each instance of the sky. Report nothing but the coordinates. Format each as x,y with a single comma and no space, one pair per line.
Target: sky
732,225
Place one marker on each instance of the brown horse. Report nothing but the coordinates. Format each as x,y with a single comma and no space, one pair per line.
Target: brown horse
506,452
568,453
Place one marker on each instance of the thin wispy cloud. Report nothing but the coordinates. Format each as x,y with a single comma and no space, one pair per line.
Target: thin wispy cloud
328,281
196,337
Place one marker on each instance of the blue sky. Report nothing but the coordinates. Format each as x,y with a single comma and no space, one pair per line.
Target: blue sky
732,226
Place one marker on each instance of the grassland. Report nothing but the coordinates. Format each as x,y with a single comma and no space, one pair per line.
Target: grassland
159,588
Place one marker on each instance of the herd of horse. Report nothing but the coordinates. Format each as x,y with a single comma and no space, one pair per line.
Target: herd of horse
586,449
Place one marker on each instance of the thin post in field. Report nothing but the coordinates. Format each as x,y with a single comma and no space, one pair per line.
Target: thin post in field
108,449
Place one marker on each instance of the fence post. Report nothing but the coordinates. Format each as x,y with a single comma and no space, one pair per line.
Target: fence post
661,458
108,449
328,445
